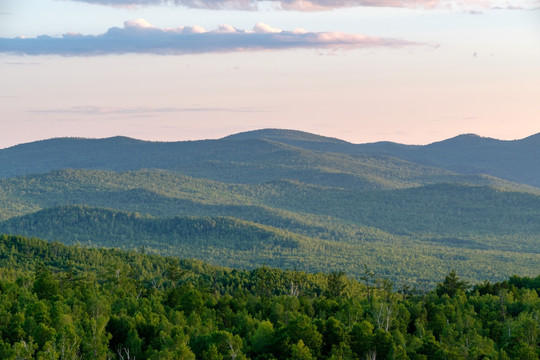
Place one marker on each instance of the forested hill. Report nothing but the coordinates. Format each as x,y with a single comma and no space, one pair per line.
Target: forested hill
234,161
267,155
304,240
403,234
517,160
126,230
73,302
288,199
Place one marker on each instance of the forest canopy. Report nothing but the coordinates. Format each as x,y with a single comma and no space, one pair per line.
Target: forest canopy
74,302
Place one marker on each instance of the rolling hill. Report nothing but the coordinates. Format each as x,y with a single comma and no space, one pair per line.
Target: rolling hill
267,155
436,208
516,161
237,243
404,233
288,199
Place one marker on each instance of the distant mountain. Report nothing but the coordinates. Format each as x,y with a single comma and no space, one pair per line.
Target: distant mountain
299,139
244,161
289,199
516,161
272,154
436,208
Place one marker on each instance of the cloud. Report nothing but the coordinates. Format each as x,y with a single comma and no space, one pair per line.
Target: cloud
21,63
138,36
265,29
317,5
197,4
100,110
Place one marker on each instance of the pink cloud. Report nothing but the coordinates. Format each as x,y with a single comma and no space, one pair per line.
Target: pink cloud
138,36
317,5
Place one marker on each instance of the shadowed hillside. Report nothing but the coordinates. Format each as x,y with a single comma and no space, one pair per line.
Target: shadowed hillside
271,154
418,232
287,199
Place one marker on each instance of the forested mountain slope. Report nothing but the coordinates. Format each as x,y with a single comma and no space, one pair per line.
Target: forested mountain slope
235,161
60,302
285,198
438,208
105,227
406,233
268,155
517,160
248,161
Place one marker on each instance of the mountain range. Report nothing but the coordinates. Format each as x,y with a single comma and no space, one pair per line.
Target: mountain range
513,161
289,199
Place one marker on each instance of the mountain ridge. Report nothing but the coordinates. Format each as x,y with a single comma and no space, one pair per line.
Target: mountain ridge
407,211
269,133
233,158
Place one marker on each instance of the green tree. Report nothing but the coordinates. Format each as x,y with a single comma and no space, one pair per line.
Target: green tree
383,344
302,328
333,334
362,338
262,339
300,351
451,285
45,285
337,283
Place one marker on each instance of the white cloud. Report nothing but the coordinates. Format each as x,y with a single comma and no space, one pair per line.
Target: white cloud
138,36
226,29
137,23
196,29
265,29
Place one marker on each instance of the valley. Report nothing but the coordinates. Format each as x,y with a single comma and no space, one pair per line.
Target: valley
285,199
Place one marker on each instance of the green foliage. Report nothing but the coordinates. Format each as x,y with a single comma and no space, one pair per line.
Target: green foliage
111,304
452,285
481,232
285,199
254,160
300,351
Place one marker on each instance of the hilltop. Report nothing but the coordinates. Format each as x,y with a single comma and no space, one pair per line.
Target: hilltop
265,155
289,199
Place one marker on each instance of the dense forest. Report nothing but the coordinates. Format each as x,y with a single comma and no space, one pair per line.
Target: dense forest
407,235
261,155
269,245
75,302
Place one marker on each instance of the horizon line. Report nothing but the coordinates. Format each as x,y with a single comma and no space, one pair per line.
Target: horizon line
261,130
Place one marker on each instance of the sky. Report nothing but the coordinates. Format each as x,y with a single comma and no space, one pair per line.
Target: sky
408,71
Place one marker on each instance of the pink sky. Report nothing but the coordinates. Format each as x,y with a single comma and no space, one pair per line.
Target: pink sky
361,74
